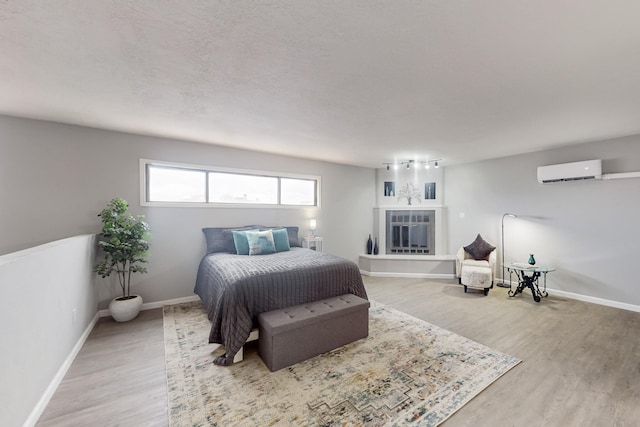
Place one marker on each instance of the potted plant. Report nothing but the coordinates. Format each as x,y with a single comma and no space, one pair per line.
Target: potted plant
124,243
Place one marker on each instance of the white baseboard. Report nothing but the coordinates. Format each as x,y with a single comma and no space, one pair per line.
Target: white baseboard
157,304
59,376
593,300
62,371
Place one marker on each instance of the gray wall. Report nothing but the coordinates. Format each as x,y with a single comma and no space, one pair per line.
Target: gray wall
55,178
586,229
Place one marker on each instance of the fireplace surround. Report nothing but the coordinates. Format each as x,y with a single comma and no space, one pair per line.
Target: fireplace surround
412,242
418,230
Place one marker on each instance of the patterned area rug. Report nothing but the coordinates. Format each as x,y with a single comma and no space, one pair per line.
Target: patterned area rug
407,372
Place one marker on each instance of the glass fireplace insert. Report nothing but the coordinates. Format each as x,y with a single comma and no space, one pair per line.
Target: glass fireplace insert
410,232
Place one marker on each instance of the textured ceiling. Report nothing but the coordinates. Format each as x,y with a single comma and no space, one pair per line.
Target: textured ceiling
351,81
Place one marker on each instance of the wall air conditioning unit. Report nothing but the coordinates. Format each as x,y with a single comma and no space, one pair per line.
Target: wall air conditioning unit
589,169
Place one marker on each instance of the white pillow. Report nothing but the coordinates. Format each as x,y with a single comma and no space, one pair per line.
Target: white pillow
261,242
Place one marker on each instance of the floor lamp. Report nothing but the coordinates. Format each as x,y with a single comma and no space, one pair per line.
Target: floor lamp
502,284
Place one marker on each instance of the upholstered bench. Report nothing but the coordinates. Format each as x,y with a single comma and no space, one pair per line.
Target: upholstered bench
293,334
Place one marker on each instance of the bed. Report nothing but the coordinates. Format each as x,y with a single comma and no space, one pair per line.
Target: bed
235,288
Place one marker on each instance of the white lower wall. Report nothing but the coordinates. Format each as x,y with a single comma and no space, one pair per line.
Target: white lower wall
41,287
427,266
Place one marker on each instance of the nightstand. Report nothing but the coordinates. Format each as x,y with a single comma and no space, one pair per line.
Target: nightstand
312,242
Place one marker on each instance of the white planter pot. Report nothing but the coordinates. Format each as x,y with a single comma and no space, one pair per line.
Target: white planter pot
123,310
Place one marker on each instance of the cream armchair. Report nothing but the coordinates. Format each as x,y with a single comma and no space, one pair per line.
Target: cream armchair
475,274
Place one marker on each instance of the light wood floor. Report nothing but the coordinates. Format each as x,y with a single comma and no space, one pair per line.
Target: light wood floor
581,362
117,379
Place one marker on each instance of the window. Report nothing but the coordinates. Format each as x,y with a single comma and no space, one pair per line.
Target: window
298,192
171,184
239,188
176,185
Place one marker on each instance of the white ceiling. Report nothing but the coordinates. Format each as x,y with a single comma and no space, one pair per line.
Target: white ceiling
350,81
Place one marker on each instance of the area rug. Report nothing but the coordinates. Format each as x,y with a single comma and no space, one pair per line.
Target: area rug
407,372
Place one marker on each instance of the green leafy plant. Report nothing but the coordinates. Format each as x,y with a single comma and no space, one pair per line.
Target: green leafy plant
124,243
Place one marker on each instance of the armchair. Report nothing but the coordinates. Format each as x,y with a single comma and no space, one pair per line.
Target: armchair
476,273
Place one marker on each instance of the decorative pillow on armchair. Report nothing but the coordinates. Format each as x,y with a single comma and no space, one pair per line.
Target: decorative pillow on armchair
479,249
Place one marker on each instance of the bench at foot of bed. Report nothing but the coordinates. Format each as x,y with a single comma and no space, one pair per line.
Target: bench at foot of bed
293,334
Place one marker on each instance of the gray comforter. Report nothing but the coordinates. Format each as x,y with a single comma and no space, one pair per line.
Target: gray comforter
236,288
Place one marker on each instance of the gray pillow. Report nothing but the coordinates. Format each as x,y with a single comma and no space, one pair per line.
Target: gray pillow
479,249
220,239
293,236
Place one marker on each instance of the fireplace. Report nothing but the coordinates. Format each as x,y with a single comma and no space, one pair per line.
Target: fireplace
410,232
413,243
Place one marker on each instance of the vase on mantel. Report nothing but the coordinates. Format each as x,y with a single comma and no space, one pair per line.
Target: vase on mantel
375,247
369,245
532,260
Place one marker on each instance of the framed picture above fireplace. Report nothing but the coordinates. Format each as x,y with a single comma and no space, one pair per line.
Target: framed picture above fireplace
389,189
430,191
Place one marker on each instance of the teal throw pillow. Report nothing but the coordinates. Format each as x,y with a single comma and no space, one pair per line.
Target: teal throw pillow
241,242
281,239
261,242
